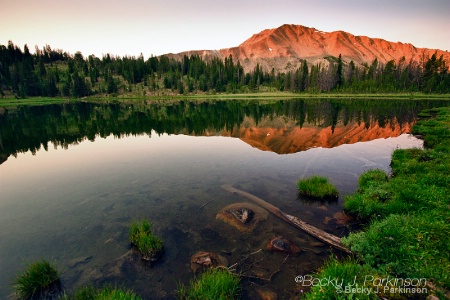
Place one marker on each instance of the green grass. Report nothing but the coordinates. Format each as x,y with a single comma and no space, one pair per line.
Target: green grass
339,280
142,237
12,102
407,214
215,283
342,275
372,177
317,187
105,293
37,280
408,246
373,193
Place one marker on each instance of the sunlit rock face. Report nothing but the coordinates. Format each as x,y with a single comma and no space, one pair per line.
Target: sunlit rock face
284,48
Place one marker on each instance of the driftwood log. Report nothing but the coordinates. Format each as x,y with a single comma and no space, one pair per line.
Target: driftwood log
294,221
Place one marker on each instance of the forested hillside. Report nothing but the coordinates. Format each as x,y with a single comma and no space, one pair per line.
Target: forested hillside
55,73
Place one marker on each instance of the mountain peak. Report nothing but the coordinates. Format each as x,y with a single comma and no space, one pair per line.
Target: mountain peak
285,47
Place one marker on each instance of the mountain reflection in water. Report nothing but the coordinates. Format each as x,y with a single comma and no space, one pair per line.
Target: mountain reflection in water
290,138
285,126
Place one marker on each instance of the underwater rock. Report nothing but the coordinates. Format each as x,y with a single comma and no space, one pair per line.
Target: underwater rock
339,218
266,294
322,207
327,220
153,256
342,218
243,216
282,244
203,259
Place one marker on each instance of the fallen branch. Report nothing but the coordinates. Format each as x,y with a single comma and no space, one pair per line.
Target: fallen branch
207,203
294,221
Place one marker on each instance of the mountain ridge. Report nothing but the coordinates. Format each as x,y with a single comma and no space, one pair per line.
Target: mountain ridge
284,48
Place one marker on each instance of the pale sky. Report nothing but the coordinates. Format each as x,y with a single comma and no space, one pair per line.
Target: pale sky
156,27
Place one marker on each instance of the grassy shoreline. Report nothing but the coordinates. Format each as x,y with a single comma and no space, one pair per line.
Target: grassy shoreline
407,224
10,101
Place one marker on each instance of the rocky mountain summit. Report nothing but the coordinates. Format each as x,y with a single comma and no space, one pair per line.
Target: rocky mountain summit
285,47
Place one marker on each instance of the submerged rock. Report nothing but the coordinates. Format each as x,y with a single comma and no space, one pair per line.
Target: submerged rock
282,244
327,220
243,216
203,259
339,218
153,256
342,218
266,293
323,207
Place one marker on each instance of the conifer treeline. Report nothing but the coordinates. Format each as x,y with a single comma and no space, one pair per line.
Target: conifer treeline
54,73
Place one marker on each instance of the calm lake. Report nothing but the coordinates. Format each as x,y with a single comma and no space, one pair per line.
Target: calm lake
74,176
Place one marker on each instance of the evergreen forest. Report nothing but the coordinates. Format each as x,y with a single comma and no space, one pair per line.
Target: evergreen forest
55,73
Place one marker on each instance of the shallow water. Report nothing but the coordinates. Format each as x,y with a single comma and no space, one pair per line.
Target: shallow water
74,206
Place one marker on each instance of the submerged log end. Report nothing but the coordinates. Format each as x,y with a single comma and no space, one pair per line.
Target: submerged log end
228,187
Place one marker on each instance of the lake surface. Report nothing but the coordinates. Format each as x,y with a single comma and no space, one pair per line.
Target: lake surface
74,176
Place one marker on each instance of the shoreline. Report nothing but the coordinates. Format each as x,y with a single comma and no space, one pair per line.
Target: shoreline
10,101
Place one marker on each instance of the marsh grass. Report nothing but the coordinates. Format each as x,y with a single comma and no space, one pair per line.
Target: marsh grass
215,283
436,131
342,274
317,187
105,293
38,280
373,193
341,280
407,214
372,177
147,243
408,227
12,102
409,246
137,95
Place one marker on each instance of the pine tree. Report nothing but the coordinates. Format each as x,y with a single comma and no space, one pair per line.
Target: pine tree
304,81
340,73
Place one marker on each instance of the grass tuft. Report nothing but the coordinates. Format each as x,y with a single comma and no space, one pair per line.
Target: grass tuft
38,280
216,283
317,187
142,237
105,293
